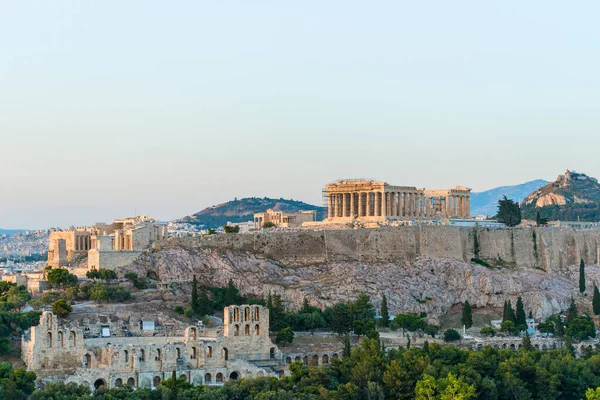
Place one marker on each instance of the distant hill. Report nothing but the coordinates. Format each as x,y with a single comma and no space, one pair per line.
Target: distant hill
486,203
243,210
570,197
10,232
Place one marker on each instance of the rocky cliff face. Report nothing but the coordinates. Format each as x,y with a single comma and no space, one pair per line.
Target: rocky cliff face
418,269
571,196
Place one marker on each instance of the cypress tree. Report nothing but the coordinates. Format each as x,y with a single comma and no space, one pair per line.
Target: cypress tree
527,342
195,310
467,315
505,316
572,311
582,276
521,319
385,315
511,313
173,386
347,352
596,301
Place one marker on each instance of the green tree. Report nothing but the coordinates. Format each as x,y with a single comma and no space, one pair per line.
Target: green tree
509,212
581,276
60,277
195,310
61,308
285,335
231,229
540,221
450,388
487,331
467,315
596,301
508,326
451,335
520,317
409,322
509,313
527,342
385,315
347,348
173,386
93,274
571,311
431,330
341,322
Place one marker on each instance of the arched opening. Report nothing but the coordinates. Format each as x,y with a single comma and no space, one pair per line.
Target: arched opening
503,345
234,375
131,382
512,346
152,275
236,314
246,314
87,361
325,360
272,352
178,352
544,347
225,353
305,361
118,382
219,377
99,383
156,381
260,374
256,330
59,340
193,333
125,356
315,360
142,355
207,378
49,320
256,313
297,358
288,360
194,353
157,358
334,355
72,339
208,351
49,340
184,377
237,331
247,330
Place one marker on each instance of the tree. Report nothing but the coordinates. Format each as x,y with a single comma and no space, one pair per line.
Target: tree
61,308
571,311
268,225
61,277
431,330
540,221
385,315
93,274
509,212
527,342
231,229
509,313
467,315
347,349
285,335
596,301
581,276
520,317
451,335
449,388
487,331
195,310
508,326
409,322
173,386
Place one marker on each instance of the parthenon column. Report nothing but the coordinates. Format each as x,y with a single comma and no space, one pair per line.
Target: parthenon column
423,208
393,204
410,207
377,212
352,205
456,209
338,205
446,213
360,205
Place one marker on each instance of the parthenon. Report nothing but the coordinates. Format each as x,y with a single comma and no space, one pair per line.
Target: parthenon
370,200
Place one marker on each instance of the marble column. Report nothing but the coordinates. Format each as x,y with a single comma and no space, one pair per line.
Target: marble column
360,204
377,212
423,208
369,201
401,204
410,207
456,206
352,205
338,204
393,204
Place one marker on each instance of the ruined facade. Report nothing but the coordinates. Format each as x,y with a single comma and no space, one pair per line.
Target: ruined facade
73,353
105,245
284,220
368,200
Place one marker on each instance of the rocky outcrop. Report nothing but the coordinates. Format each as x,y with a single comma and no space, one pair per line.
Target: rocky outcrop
419,269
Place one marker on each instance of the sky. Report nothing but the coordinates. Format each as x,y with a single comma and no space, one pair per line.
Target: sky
112,108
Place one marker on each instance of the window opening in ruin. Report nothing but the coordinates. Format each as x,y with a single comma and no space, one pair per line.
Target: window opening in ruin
225,353
256,313
208,351
247,330
87,361
297,358
237,331
272,352
49,340
125,356
193,333
219,377
178,351
257,330
234,375
207,378
246,313
99,383
119,382
59,341
193,356
335,355
236,314
49,321
142,355
305,361
315,360
288,360
156,382
184,377
157,355
72,339
131,382
325,359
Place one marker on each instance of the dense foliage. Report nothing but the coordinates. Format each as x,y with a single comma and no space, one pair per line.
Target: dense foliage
12,296
15,384
509,212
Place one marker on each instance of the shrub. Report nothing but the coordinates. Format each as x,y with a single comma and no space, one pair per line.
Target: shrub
432,330
451,335
487,331
179,310
61,308
286,335
479,261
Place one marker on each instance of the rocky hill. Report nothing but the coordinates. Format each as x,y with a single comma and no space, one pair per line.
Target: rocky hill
420,269
570,197
243,210
486,202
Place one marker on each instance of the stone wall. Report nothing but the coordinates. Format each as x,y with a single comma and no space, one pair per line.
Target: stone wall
111,259
544,248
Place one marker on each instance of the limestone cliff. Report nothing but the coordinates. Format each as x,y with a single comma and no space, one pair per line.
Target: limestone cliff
571,196
418,268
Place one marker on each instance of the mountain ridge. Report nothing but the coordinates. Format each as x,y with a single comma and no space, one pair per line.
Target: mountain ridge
486,202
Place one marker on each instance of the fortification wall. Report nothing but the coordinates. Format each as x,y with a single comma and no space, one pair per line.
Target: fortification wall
545,248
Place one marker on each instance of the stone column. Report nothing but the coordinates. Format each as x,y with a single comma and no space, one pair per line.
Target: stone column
360,204
393,204
329,206
338,205
423,208
409,207
446,210
377,211
352,205
369,201
456,212
468,210
384,204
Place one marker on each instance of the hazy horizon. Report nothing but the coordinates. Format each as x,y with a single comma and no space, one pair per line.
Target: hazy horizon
112,108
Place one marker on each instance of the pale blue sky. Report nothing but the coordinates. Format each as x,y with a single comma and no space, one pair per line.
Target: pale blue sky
164,108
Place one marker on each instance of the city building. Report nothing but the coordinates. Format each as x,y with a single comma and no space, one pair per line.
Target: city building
369,200
284,220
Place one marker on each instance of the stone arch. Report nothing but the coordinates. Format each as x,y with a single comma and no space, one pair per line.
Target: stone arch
73,339
225,353
537,346
236,313
256,313
99,383
184,377
152,275
157,355
272,352
194,353
118,382
236,331
60,342
325,359
193,334
288,360
87,361
334,355
156,381
131,382
512,346
257,329
503,345
247,330
208,351
297,358
207,378
219,378
315,360
49,340
305,361
260,374
234,375
544,347
246,313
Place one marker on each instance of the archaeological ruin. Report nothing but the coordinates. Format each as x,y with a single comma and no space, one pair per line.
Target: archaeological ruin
105,245
368,200
137,353
284,219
